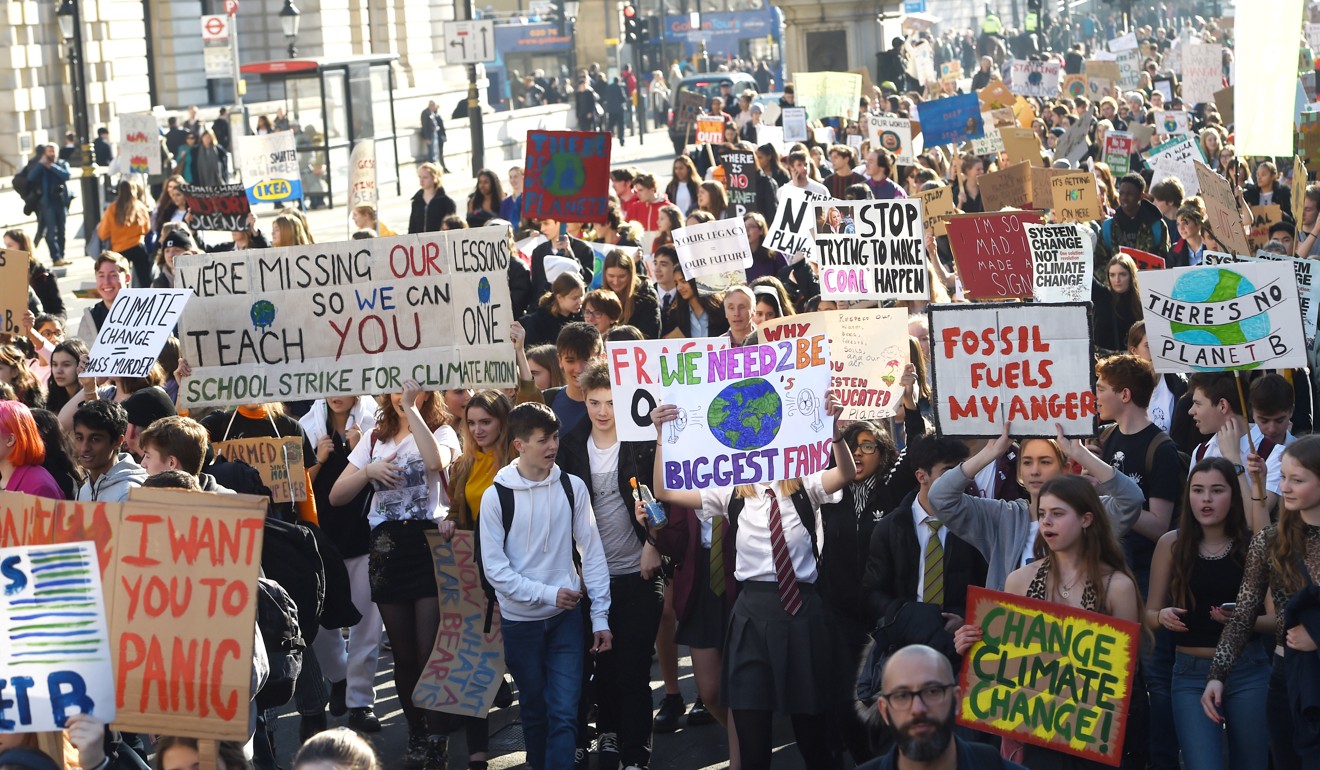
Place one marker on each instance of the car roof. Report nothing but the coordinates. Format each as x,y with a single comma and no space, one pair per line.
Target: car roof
717,77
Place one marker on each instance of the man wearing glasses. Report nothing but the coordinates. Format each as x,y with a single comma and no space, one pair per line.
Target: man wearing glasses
919,702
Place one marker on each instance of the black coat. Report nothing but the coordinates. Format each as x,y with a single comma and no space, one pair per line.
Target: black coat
543,327
646,312
636,460
680,317
426,218
1282,198
520,287
580,250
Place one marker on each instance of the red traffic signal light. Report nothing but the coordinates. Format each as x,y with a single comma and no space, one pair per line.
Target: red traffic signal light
629,12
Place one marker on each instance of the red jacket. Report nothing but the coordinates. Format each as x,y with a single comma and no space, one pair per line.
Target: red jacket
648,214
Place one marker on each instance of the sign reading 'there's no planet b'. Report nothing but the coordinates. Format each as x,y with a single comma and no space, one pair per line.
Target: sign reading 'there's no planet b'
568,175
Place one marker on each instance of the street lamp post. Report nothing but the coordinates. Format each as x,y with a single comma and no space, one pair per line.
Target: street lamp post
69,17
289,20
571,8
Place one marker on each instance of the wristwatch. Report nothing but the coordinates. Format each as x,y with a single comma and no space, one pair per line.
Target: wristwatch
1239,469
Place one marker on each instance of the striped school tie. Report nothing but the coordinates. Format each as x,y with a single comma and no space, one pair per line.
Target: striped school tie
932,589
717,526
790,596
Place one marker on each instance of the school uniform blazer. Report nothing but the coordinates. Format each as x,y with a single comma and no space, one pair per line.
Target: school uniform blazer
636,459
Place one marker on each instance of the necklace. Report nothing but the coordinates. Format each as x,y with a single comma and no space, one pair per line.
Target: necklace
1210,554
1066,590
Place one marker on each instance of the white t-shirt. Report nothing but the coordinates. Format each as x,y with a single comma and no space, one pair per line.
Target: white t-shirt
1162,404
421,496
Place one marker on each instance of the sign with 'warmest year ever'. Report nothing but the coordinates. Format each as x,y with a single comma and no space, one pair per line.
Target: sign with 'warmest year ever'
352,318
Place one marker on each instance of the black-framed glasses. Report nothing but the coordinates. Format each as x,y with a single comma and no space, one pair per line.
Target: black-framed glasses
868,447
932,696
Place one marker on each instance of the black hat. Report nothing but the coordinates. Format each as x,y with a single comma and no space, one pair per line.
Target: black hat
148,405
178,239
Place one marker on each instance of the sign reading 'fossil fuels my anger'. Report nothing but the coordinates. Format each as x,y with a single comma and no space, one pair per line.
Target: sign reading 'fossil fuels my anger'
359,317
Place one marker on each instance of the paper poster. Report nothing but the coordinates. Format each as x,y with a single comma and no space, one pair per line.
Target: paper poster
823,135
466,666
1144,259
279,461
690,104
635,379
740,174
1035,78
746,415
1061,262
1022,680
1221,210
891,134
1021,144
793,230
1233,317
828,94
1203,72
1176,158
1075,142
1074,86
362,176
710,129
936,206
795,124
875,252
139,142
951,120
218,207
713,248
568,176
1015,363
1074,198
1164,87
1308,288
1007,188
992,143
1118,149
270,166
1262,218
1129,68
13,290
56,657
1172,122
772,135
134,331
992,254
1264,83
868,353
353,318
1123,43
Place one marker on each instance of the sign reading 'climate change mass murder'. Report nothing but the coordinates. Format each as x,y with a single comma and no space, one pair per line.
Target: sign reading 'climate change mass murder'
351,318
568,176
746,415
883,257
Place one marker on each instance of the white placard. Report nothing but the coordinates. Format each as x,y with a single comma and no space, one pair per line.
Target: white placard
1061,262
794,124
713,248
793,230
892,134
635,379
1203,72
872,250
1035,78
139,142
1172,122
136,328
1307,288
269,163
1176,158
362,175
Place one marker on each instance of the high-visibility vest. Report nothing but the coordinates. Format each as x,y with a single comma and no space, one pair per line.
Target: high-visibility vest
1031,21
991,25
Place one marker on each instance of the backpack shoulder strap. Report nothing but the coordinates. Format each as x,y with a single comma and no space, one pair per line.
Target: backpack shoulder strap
566,481
506,506
807,513
1106,433
1160,440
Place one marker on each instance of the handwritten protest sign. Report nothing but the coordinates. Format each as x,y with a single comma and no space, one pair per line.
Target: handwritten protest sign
951,120
1074,198
746,415
894,135
1035,78
1221,210
1061,262
1307,288
688,106
1042,186
635,379
773,135
1226,317
217,207
740,175
828,94
1007,188
362,176
1073,86
1075,142
270,166
1129,68
1014,363
1119,146
139,142
795,124
1144,259
992,143
1021,144
1172,122
1177,158
56,658
1203,72
568,176
1098,88
278,460
794,229
878,254
936,207
992,254
712,248
134,331
348,318
868,352
1262,218
466,666
1048,674
710,129
995,96
13,290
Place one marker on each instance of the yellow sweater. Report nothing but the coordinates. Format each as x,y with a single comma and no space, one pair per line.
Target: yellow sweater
479,480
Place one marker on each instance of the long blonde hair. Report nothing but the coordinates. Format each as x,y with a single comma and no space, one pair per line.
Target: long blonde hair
497,405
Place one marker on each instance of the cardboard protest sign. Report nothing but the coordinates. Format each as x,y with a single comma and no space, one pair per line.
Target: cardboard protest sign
740,175
1172,122
1308,140
134,331
466,666
1176,157
1074,198
1007,188
362,188
1097,69
1129,68
270,166
1028,365
828,94
568,176
348,318
992,254
1073,86
879,252
1042,186
1224,102
1144,259
1118,149
936,207
278,460
1098,88
746,415
1298,189
139,142
894,135
1061,262
690,104
53,613
1264,83
795,124
868,353
951,120
996,95
1075,142
1221,210
1262,217
13,290
713,248
1231,317
710,129
1308,288
1024,679
1203,72
635,379
218,207
1035,78
794,228
1021,144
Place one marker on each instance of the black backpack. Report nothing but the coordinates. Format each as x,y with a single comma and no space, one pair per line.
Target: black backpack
290,557
277,617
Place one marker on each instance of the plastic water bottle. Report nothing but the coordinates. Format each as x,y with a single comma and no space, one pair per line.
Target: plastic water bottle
655,512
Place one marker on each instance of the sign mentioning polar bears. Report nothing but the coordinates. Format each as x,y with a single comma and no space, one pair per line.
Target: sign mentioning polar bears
872,250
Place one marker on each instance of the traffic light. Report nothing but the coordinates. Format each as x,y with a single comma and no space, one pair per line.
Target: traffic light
644,31
629,24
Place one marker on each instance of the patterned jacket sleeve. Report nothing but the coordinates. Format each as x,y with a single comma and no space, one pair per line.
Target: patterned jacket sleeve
1250,601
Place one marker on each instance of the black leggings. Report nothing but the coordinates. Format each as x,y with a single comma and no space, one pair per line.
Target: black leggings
141,262
412,628
755,729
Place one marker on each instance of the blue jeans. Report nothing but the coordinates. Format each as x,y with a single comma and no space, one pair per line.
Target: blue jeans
52,219
1157,673
545,658
1244,709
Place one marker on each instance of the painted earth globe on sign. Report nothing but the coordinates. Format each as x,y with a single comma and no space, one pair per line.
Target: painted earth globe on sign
563,174
263,314
746,415
1218,285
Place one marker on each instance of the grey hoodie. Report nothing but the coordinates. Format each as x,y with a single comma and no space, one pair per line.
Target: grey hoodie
114,484
529,565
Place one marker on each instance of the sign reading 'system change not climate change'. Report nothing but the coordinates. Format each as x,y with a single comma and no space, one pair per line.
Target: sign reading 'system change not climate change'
351,318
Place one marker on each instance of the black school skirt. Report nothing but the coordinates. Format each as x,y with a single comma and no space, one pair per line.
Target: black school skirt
400,564
708,614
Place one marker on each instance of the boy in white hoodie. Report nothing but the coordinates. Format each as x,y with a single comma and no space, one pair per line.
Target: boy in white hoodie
530,565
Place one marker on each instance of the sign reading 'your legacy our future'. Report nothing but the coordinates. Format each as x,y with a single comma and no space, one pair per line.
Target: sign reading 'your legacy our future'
359,317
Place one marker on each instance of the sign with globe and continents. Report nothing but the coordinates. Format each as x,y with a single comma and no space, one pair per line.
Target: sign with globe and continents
567,176
1224,318
746,415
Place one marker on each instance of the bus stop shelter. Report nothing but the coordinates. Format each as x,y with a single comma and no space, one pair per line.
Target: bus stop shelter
332,103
